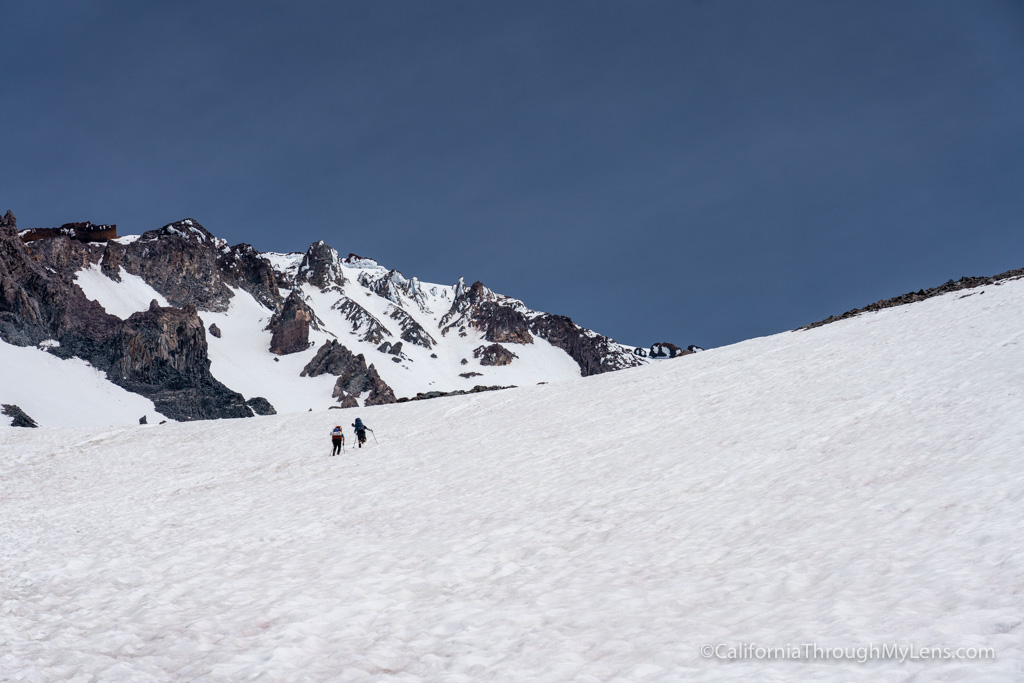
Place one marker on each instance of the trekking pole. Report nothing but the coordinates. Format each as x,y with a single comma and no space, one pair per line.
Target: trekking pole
374,435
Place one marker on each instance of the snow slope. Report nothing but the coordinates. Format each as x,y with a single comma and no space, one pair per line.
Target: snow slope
65,393
241,359
130,295
855,484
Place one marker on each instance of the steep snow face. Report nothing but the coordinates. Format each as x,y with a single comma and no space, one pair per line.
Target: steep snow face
131,295
65,393
851,485
240,359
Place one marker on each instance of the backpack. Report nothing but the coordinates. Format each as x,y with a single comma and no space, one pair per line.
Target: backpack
359,424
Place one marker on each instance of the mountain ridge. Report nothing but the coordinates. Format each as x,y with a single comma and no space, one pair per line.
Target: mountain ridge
152,312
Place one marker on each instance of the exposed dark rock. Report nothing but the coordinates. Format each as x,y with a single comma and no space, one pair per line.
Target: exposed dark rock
396,349
640,351
355,260
464,362
348,401
321,267
502,324
244,267
693,348
354,377
65,256
499,318
394,287
385,347
395,359
17,415
666,350
85,232
467,375
36,303
162,355
363,322
495,354
433,355
594,353
289,327
412,331
379,393
921,295
261,406
422,396
180,260
214,330
143,420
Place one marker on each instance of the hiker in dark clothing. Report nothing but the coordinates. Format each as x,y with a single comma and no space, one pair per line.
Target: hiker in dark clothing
360,431
337,439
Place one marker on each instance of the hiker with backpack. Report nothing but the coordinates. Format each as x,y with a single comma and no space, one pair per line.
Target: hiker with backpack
337,439
360,431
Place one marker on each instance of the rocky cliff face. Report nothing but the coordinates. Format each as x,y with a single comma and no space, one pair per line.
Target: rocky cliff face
354,377
594,353
500,318
290,326
321,267
160,354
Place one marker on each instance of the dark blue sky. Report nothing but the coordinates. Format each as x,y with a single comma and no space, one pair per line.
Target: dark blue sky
695,172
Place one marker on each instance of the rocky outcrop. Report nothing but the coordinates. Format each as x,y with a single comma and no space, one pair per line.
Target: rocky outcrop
425,395
500,319
261,406
666,350
321,267
84,232
242,266
289,327
594,353
412,331
364,323
394,287
180,260
502,323
389,348
495,354
214,330
17,415
921,295
65,256
354,377
347,401
162,354
37,303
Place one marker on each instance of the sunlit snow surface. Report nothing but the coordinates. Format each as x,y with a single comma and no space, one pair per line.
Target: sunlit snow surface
858,483
63,393
122,298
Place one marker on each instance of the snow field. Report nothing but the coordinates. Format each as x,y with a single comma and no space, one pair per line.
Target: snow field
131,295
858,483
71,392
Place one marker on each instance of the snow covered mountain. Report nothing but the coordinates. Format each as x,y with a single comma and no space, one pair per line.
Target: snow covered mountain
176,324
830,493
